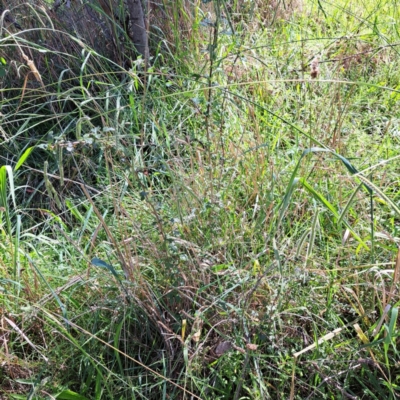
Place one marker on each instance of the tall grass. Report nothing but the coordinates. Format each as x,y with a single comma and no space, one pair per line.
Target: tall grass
222,225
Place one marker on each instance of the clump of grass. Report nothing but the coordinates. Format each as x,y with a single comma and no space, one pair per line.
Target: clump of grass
229,232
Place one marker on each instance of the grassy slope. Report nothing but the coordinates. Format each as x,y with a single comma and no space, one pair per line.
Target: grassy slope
230,234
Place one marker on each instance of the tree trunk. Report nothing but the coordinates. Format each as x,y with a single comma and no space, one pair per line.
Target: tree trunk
139,31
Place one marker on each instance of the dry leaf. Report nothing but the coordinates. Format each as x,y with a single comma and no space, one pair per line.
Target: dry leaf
223,347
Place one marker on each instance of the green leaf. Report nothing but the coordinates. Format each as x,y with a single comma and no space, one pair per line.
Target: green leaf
294,180
373,187
74,211
350,201
3,185
102,264
54,218
4,170
23,158
219,267
319,197
11,182
70,395
391,328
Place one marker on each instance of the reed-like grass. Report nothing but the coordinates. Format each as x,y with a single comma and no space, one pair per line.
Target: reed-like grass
222,225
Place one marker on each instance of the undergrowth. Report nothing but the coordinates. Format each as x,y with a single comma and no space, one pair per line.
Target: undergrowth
220,224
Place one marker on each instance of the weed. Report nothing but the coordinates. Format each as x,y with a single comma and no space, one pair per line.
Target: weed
220,224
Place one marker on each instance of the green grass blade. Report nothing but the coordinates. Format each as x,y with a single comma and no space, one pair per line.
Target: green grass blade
16,269
70,395
4,171
319,197
380,193
102,264
313,233
117,337
74,211
350,201
391,328
294,180
3,190
54,294
11,183
23,158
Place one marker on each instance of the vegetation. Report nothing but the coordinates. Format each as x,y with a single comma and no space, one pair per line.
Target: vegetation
222,223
